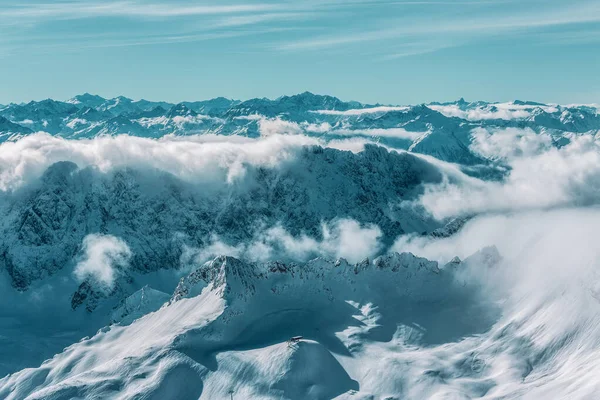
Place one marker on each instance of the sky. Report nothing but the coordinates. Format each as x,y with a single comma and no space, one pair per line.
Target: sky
374,51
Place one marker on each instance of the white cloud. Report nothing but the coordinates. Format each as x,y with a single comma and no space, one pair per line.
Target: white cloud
277,126
355,145
569,176
201,158
548,280
361,111
347,238
323,127
481,113
509,143
504,111
80,9
488,22
340,238
102,256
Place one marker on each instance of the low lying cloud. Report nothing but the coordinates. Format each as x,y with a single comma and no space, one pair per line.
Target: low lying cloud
548,280
102,258
277,126
345,238
196,158
504,111
355,145
479,114
554,177
509,143
361,111
192,158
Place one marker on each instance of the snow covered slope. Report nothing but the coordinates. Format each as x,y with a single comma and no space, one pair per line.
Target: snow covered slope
395,327
225,330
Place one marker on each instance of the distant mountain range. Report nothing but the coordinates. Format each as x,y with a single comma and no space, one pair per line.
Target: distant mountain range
443,130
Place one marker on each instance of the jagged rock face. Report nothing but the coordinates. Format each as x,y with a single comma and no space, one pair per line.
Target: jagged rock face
9,128
410,277
138,304
451,227
86,295
155,213
220,272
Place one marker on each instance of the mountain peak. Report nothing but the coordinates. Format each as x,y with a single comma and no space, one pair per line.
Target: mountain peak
87,99
180,110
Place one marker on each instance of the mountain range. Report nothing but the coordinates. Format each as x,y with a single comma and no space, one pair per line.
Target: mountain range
442,130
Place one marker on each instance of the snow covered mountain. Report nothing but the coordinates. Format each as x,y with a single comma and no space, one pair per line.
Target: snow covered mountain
395,327
224,331
11,131
149,210
442,130
313,203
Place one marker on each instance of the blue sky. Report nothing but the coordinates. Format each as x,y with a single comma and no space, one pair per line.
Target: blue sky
397,52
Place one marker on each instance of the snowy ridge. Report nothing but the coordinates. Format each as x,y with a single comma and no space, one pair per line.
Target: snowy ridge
140,303
199,338
397,327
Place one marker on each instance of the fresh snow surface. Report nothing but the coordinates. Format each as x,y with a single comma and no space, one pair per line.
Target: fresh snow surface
226,326
397,327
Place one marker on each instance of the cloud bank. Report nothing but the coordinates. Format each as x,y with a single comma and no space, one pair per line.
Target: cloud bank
196,158
547,284
192,158
509,143
504,111
277,126
541,176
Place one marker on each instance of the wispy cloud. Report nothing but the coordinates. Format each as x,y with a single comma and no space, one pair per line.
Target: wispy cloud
581,35
441,26
260,18
80,10
199,23
416,48
386,29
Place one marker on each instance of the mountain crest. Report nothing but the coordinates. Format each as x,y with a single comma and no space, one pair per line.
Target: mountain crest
227,275
181,110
